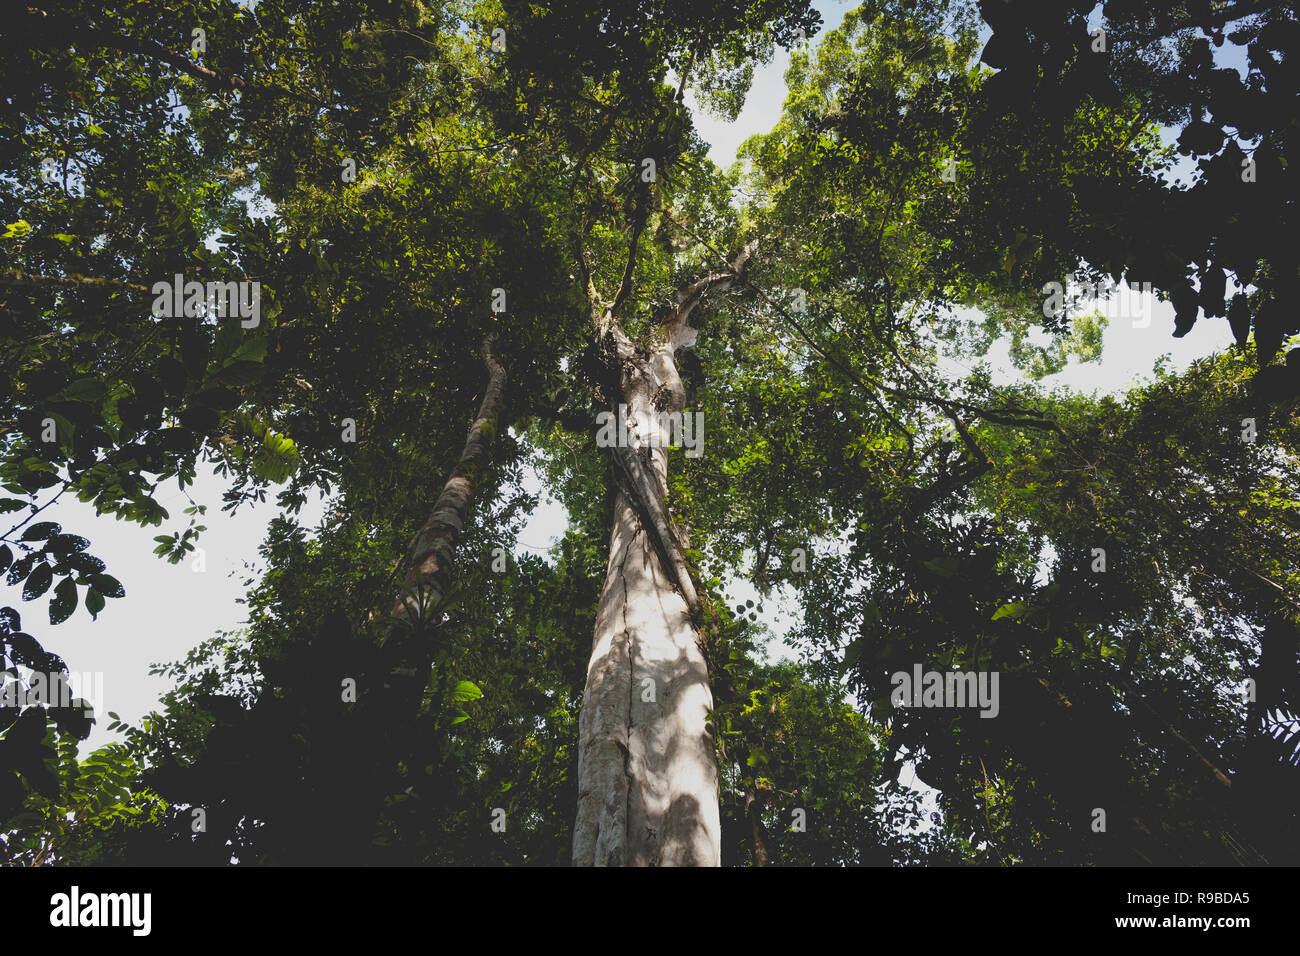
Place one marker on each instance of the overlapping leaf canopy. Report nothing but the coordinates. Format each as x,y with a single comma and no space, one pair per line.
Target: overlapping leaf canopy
913,513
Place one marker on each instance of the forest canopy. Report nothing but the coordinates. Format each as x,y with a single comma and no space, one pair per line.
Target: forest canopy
418,257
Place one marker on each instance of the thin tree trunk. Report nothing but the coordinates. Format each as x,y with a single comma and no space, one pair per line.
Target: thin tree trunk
758,832
647,770
408,646
387,709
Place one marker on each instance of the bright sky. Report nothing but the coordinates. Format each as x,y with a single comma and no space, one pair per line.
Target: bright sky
168,609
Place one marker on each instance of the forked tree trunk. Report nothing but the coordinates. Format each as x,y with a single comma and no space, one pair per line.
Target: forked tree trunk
647,771
647,776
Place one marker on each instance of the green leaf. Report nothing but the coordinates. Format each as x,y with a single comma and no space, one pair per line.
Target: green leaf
254,350
41,530
85,563
1015,609
465,690
64,601
84,390
65,545
38,582
94,603
106,585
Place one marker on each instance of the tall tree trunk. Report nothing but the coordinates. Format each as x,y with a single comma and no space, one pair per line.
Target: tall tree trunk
408,646
647,771
392,693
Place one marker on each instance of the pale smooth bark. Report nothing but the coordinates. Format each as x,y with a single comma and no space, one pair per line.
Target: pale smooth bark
647,769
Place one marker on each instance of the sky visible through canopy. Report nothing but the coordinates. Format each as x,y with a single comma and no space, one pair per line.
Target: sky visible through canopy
168,609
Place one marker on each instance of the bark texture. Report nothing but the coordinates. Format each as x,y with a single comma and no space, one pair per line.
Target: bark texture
758,832
385,723
407,645
647,771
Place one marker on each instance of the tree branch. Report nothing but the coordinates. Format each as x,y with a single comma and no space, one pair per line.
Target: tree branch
152,49
22,280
